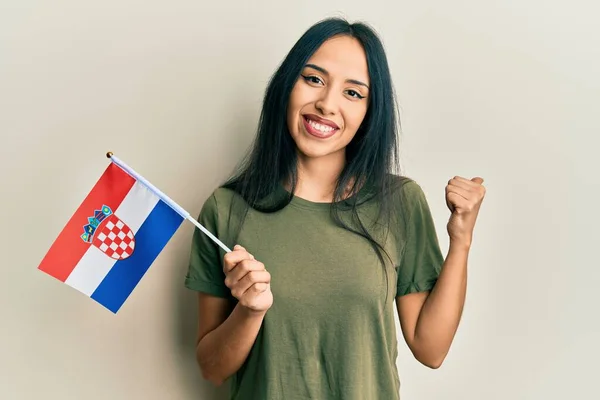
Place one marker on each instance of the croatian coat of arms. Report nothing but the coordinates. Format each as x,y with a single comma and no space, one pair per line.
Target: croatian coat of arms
109,233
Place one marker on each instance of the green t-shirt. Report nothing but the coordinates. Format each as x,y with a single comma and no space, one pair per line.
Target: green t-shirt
330,333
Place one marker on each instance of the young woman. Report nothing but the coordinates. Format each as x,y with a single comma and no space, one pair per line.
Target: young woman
327,236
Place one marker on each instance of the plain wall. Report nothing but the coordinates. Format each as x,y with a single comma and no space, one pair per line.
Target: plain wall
504,90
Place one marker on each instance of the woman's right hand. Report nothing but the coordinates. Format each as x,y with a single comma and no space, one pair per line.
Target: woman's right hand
248,280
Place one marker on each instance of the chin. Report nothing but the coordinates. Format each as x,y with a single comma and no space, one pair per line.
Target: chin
312,149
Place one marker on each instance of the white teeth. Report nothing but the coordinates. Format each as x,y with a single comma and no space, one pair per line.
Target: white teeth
319,127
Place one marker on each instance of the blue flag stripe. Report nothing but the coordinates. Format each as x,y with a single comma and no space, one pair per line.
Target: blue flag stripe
151,238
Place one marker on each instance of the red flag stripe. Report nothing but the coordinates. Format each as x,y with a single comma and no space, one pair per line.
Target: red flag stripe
69,248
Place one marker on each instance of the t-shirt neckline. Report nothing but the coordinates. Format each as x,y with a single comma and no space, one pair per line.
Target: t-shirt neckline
316,205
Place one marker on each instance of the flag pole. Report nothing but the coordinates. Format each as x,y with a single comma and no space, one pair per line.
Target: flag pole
176,207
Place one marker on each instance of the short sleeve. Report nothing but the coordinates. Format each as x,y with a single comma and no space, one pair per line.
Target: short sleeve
205,272
421,260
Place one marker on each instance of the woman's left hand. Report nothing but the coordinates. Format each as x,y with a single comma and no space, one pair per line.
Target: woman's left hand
463,198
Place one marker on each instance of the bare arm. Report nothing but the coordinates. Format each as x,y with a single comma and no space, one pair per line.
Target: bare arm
429,320
224,338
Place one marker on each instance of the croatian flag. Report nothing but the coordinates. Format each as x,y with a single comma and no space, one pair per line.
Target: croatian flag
113,237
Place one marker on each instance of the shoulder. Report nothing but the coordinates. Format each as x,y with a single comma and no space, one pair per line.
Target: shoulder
221,211
405,190
222,197
217,202
408,200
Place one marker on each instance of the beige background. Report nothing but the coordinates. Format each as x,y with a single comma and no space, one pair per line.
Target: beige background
506,90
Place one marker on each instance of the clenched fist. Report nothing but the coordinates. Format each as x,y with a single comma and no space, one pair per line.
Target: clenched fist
463,198
248,280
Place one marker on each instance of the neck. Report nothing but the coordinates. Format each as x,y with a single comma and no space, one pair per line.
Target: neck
317,177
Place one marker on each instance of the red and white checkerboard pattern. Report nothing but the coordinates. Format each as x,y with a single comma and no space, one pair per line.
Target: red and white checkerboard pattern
115,238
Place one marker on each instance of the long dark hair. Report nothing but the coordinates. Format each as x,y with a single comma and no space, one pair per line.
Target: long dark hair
371,157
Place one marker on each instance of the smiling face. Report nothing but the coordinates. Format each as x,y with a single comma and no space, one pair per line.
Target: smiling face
329,101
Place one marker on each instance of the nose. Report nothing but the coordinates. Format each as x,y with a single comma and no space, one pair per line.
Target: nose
327,102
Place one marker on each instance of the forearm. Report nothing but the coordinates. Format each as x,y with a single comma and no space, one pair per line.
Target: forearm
441,313
222,351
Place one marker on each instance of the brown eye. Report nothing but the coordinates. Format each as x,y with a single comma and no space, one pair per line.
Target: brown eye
355,94
312,79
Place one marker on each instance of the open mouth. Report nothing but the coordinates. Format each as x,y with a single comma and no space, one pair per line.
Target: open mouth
318,127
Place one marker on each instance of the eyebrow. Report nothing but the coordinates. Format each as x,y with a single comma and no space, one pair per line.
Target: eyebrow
324,71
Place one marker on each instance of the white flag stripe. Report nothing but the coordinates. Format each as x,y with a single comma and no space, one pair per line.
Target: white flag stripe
89,272
136,206
95,265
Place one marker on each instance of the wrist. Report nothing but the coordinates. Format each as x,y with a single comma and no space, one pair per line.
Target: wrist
459,245
249,313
